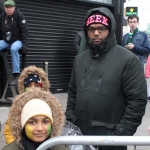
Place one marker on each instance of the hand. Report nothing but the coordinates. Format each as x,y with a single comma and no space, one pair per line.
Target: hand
130,46
24,49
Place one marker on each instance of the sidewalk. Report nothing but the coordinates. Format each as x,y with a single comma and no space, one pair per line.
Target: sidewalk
62,97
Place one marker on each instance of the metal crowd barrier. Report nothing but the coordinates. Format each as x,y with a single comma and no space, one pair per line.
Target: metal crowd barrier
96,140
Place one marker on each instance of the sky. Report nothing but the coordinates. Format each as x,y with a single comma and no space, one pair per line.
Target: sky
143,11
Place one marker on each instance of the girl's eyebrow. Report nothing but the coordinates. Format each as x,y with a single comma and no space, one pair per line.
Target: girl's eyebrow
31,119
46,118
36,119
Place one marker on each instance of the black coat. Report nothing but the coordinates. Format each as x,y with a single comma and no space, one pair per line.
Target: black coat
107,92
77,40
16,24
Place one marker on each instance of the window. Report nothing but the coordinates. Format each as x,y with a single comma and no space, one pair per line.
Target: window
102,1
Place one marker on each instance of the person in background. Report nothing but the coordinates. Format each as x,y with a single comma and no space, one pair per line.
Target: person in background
13,35
107,93
136,41
79,42
147,74
76,41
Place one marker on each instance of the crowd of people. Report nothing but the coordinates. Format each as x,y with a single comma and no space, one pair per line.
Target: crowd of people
107,93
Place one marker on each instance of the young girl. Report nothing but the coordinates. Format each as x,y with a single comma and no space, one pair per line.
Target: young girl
34,117
147,74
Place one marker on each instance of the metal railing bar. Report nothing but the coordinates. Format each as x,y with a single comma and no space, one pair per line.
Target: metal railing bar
96,140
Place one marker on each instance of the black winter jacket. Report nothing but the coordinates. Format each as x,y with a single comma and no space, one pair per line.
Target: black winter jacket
107,92
17,26
76,41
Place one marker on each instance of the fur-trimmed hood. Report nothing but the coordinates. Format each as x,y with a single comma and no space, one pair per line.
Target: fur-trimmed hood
20,101
33,70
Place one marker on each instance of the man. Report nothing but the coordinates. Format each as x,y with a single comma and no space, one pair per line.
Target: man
136,41
13,35
107,93
79,42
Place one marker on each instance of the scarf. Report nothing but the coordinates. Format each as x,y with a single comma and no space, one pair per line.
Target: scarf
131,35
28,144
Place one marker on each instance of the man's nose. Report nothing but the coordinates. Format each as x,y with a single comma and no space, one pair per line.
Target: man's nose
96,32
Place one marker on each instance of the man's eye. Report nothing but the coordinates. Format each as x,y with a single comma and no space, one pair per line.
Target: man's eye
91,29
102,29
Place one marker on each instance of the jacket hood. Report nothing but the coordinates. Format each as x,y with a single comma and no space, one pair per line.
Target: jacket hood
106,12
20,101
33,70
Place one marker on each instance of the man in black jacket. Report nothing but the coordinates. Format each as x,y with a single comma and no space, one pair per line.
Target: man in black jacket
107,93
13,35
79,42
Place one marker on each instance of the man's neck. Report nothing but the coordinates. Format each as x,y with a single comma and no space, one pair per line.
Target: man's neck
132,30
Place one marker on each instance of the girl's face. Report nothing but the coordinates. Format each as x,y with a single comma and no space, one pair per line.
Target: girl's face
38,128
32,86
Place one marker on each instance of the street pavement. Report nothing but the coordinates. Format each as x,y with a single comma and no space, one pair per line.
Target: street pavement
62,97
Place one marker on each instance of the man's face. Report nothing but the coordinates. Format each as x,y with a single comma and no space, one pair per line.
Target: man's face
97,33
9,10
133,23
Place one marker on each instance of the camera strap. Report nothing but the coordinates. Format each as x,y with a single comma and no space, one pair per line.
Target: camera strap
6,20
8,23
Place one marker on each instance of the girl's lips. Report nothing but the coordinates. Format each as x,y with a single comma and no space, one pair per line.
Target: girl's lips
39,135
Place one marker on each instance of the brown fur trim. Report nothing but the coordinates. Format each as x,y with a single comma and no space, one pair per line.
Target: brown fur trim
33,70
20,101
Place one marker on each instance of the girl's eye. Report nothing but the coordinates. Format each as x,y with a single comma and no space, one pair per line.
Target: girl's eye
46,121
37,85
31,122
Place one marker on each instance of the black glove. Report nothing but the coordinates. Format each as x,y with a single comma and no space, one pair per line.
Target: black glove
24,49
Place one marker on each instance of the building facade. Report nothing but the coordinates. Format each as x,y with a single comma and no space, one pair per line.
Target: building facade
52,25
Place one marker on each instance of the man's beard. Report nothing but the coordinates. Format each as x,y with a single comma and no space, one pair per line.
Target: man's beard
98,47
